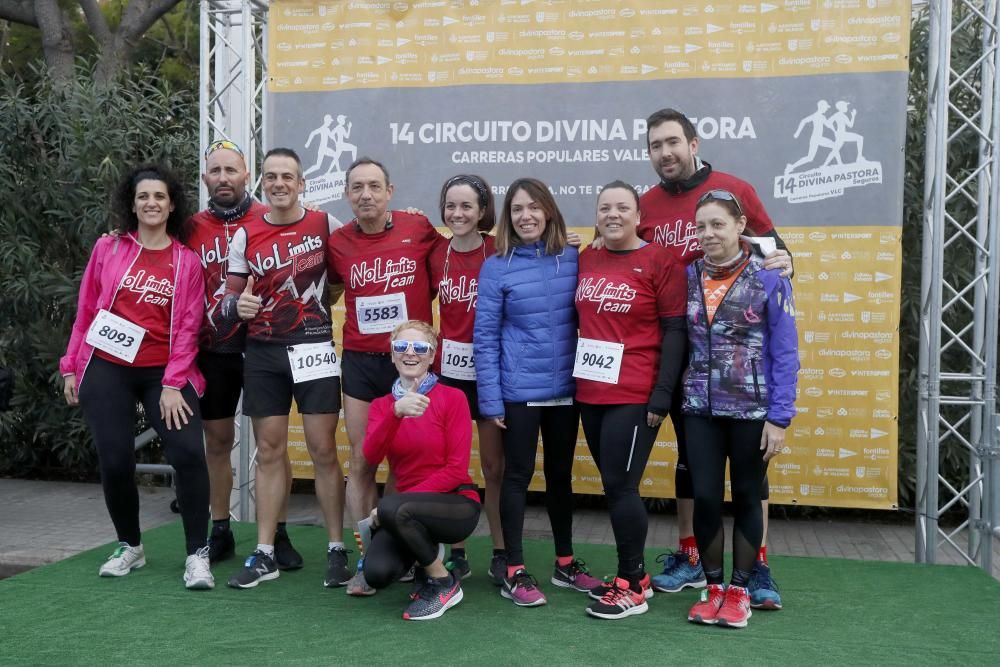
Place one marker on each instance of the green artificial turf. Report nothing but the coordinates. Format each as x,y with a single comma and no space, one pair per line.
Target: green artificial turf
836,612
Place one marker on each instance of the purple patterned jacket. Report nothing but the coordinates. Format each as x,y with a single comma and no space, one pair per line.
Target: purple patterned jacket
744,364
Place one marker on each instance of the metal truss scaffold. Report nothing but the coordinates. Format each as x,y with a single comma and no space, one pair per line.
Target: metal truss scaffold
233,106
960,275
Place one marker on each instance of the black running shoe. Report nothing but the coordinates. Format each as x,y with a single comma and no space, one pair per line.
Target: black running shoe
459,566
285,554
257,568
337,573
221,545
498,569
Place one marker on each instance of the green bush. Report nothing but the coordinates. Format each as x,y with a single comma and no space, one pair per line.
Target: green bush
61,153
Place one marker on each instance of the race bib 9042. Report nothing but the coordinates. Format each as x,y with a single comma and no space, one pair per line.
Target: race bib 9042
598,360
457,360
380,314
115,335
313,361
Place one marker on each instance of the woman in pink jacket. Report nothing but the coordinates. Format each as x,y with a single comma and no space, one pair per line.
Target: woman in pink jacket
134,339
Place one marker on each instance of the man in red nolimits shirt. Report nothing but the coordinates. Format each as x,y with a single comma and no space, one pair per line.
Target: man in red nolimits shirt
382,260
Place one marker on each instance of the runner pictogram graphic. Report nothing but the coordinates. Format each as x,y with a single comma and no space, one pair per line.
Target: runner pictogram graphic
818,174
338,136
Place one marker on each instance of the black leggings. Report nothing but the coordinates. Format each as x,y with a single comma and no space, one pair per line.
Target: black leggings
108,395
682,475
559,425
411,525
620,442
713,440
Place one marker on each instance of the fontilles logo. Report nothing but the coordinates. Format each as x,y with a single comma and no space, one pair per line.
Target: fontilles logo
827,169
331,145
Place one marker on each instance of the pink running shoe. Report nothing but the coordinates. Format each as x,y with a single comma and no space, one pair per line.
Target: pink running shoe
522,589
735,610
575,576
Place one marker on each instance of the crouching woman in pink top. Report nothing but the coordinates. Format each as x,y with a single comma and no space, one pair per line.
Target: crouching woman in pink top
134,340
424,429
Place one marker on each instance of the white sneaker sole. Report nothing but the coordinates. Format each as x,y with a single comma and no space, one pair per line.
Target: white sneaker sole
120,572
695,585
632,611
199,584
565,584
536,603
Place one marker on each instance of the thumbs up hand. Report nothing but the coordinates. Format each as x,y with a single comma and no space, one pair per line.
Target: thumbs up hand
411,404
248,304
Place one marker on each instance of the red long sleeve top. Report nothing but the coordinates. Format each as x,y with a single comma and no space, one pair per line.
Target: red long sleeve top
430,453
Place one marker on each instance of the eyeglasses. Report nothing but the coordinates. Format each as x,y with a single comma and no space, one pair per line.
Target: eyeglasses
420,348
720,195
219,145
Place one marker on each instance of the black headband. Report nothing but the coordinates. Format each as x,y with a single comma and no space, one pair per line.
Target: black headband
472,181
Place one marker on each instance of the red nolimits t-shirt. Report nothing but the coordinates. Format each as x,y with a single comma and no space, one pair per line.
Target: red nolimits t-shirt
456,276
210,237
288,264
145,298
620,298
668,219
385,276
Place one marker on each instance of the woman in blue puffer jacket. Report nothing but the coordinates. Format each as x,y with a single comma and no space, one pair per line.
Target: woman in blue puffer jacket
524,345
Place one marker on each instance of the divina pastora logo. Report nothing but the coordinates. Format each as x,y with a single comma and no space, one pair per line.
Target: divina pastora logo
834,160
331,139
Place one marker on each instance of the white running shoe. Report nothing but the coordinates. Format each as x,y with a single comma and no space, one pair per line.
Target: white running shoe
197,571
123,560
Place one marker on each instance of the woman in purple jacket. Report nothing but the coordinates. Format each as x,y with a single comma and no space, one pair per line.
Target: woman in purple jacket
739,395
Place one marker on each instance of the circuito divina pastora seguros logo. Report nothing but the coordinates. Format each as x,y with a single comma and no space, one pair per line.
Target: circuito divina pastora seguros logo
804,180
331,145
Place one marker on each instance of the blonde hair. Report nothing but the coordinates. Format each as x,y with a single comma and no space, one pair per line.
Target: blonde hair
418,325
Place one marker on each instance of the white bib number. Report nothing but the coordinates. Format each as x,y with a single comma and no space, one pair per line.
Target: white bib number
115,335
598,360
313,361
457,360
552,402
380,314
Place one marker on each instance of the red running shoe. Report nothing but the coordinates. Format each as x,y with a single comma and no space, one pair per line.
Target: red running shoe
735,609
706,610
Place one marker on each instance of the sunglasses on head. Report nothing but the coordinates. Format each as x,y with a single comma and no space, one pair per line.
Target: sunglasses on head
720,195
219,145
420,347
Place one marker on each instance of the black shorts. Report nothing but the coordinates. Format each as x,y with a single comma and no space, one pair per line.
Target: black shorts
267,378
367,375
468,388
223,384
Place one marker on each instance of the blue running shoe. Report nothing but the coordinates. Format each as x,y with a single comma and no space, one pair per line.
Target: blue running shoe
763,588
678,573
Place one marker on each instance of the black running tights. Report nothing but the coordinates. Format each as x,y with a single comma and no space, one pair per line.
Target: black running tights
711,442
108,396
620,442
411,525
559,425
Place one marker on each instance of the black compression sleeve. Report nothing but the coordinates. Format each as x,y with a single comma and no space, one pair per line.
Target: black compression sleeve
673,351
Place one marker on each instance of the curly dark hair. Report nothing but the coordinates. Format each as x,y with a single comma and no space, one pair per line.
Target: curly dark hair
124,217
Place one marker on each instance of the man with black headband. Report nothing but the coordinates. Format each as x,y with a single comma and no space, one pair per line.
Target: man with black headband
221,342
668,220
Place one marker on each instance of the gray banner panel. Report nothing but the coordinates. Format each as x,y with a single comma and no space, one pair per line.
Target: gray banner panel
578,137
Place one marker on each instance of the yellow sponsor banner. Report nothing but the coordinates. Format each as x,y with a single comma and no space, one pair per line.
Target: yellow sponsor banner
321,46
841,449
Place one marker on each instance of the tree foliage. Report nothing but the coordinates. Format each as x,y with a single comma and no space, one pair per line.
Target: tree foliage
110,34
62,150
